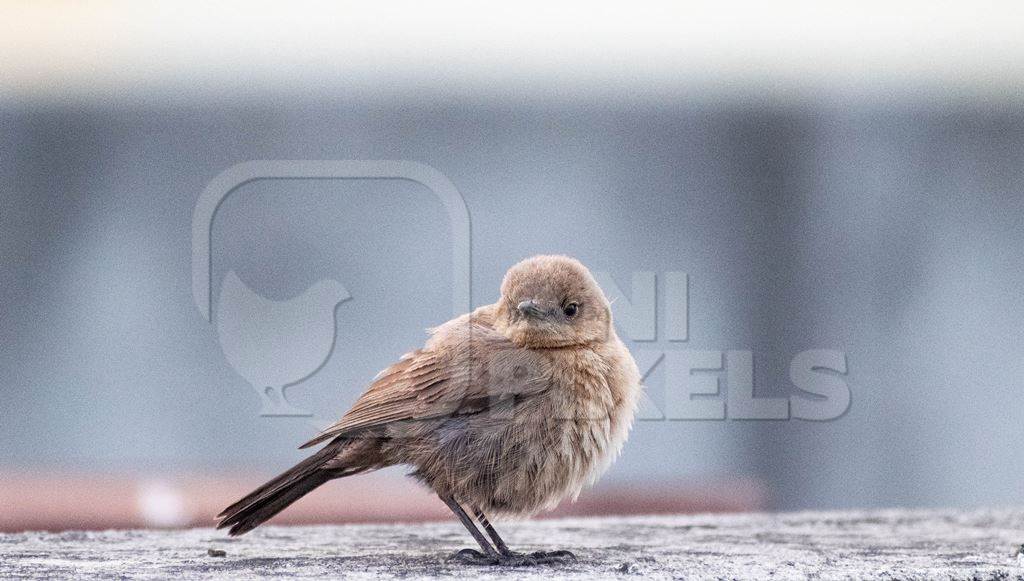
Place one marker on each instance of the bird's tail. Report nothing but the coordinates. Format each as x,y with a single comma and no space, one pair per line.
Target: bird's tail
266,501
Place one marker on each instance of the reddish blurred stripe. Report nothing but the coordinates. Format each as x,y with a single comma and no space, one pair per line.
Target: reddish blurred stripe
90,501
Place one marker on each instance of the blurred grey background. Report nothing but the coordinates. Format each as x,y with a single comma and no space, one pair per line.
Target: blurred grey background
827,179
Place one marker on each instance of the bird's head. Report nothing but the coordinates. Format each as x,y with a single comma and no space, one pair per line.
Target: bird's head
550,302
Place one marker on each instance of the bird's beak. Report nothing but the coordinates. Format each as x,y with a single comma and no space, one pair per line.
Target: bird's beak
530,309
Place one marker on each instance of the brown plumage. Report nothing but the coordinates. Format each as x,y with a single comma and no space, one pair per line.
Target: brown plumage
509,409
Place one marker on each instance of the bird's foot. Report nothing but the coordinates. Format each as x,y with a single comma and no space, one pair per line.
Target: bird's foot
473,557
510,559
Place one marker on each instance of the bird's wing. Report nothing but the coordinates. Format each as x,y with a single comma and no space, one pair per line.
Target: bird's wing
465,368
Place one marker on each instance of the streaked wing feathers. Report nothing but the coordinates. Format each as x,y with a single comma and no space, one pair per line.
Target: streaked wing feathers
463,369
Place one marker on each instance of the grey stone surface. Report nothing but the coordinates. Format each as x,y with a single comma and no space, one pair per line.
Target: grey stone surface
820,545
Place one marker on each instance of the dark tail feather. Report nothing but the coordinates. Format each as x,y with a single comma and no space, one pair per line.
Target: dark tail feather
264,508
271,498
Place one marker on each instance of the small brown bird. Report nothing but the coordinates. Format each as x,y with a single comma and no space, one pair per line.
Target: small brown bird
506,410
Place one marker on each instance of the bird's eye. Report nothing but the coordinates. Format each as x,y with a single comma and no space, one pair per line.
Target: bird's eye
570,309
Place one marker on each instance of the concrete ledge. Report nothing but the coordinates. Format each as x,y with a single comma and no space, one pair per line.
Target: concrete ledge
823,545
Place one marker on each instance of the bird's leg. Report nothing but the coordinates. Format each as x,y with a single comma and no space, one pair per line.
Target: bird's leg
498,543
489,556
510,558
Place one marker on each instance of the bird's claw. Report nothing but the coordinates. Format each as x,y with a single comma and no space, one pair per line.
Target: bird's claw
474,557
